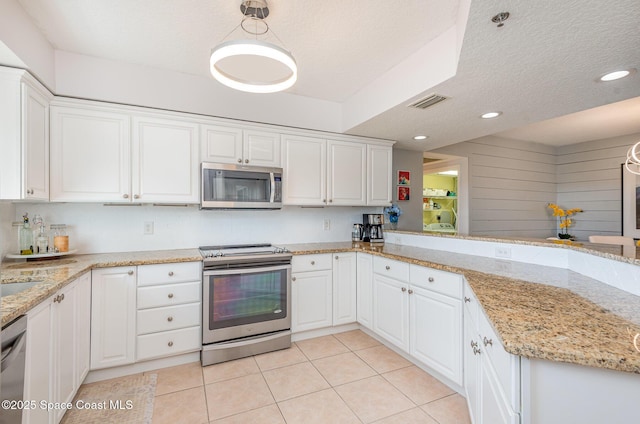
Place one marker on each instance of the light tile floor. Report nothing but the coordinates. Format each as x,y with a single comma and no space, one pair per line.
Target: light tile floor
344,378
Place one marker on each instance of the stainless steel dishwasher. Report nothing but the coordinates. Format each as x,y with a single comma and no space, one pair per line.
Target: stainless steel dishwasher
14,340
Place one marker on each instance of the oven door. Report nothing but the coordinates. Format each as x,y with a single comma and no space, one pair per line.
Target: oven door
246,301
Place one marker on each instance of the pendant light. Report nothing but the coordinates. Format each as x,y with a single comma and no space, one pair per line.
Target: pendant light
253,65
633,159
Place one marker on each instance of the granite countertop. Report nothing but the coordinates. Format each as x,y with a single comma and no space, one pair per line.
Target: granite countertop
537,311
56,273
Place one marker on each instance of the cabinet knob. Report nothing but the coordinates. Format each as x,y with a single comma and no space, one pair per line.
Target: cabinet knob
404,289
293,278
330,200
467,299
313,262
324,200
170,295
239,160
30,191
126,196
431,279
246,161
170,344
337,257
169,319
387,267
486,341
130,272
136,196
410,291
170,273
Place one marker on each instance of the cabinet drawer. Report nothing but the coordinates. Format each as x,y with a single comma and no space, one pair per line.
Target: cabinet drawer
305,263
168,343
439,281
169,273
167,295
391,268
168,318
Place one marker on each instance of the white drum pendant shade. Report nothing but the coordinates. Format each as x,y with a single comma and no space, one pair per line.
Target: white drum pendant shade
256,48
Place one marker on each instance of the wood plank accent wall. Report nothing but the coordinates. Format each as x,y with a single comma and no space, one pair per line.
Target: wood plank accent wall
511,183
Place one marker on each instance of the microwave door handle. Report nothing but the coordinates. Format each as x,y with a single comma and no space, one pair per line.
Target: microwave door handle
273,187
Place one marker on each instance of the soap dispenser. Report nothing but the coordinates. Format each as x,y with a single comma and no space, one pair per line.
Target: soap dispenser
26,236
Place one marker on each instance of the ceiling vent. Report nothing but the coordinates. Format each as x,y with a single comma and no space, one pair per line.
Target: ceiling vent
428,101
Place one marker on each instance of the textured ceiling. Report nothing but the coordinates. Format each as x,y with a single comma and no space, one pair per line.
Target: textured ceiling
541,65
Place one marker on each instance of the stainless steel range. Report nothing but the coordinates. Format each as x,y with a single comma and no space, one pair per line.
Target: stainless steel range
246,301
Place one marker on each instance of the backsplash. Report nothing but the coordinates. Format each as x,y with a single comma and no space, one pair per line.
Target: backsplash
7,216
95,228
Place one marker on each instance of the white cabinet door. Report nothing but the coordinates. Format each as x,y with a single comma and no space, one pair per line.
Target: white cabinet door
83,327
347,173
391,310
379,178
38,362
113,315
64,347
165,161
35,133
435,323
470,351
311,300
261,148
221,144
344,288
365,289
304,160
90,155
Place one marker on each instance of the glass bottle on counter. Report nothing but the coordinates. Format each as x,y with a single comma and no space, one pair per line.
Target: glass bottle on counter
60,237
26,236
42,240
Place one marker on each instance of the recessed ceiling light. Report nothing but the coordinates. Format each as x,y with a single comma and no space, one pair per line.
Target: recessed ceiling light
612,76
490,115
420,137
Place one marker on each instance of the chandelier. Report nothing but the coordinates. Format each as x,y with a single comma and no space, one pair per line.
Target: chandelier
633,159
250,64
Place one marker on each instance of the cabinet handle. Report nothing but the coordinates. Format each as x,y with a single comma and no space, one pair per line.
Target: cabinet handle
387,267
486,341
476,351
56,299
337,257
467,300
404,289
330,200
313,262
130,272
170,295
431,279
136,196
61,297
239,160
169,319
410,291
293,278
324,200
126,196
170,273
170,344
246,161
30,191
474,344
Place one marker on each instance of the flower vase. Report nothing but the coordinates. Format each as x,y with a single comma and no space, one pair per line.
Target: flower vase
563,236
393,221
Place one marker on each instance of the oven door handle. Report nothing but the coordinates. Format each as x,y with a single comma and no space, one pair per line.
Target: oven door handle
273,187
248,270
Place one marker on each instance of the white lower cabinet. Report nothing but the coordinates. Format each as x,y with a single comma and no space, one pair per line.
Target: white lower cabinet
492,376
344,288
311,292
113,316
57,353
364,290
391,310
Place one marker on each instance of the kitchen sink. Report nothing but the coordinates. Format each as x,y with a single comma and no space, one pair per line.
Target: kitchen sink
14,288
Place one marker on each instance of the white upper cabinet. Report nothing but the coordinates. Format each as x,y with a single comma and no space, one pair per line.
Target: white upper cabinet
379,178
347,173
304,160
165,161
90,155
24,137
237,146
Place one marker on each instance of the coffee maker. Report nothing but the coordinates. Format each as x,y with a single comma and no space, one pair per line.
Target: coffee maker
372,227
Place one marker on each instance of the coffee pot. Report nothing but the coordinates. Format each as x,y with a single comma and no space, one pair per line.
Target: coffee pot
356,232
372,231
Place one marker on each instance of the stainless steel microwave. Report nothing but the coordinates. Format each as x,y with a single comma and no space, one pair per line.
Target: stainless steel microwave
226,186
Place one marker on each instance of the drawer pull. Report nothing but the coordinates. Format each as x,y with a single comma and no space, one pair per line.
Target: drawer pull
293,278
313,262
170,344
467,299
476,351
431,279
474,344
130,272
170,295
387,267
170,273
410,291
169,319
404,289
337,257
487,341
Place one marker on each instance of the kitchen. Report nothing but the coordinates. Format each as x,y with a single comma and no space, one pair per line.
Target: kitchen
95,228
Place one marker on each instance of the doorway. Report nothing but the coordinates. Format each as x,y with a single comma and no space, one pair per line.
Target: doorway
445,194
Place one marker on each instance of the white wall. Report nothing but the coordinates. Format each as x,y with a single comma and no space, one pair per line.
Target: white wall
408,160
7,242
95,228
510,184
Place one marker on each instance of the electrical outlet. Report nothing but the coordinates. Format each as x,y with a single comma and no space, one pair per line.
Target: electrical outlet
503,252
326,224
148,227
